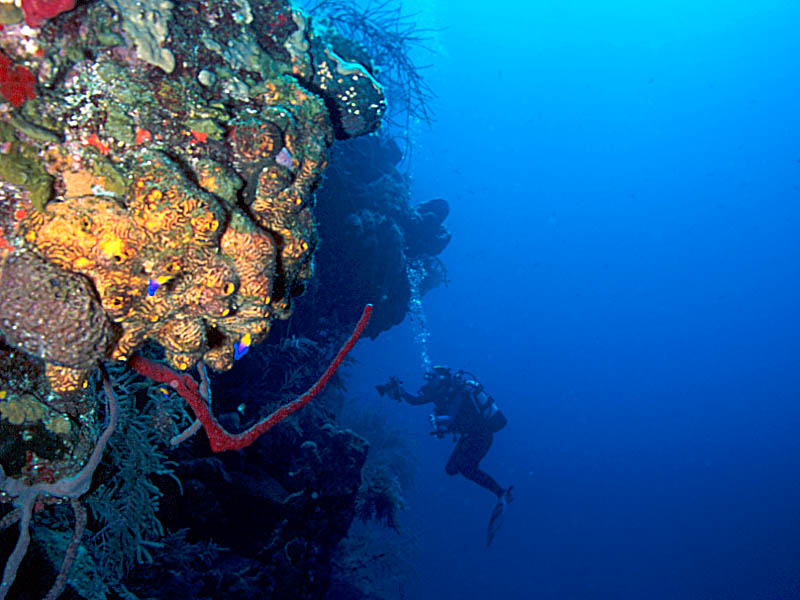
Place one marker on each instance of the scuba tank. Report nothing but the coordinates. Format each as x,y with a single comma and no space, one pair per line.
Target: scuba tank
482,401
450,391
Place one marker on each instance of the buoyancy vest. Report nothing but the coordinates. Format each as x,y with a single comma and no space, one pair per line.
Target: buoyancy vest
486,411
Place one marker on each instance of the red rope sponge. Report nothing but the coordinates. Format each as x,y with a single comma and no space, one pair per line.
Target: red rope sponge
218,437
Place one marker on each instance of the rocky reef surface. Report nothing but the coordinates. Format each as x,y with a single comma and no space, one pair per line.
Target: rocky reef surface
162,193
167,154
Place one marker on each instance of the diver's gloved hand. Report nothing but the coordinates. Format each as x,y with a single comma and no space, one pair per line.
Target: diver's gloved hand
391,388
440,424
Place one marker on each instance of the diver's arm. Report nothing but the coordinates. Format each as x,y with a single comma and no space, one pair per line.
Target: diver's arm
394,389
417,400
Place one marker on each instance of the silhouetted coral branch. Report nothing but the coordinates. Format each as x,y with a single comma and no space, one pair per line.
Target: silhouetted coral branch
72,550
388,37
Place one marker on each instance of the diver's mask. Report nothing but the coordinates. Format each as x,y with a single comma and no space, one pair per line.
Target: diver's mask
437,378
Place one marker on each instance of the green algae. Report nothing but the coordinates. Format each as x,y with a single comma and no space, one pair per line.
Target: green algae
19,165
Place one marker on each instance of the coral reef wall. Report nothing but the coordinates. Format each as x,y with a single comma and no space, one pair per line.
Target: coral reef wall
372,238
162,191
162,164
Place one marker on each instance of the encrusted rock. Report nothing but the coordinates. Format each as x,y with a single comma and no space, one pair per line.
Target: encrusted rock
51,313
176,148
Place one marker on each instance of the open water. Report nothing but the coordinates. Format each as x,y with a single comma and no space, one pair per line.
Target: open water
624,179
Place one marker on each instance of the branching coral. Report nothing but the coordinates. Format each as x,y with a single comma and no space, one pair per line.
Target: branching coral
24,496
381,497
125,501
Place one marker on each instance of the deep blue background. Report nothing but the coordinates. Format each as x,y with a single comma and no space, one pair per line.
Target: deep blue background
624,181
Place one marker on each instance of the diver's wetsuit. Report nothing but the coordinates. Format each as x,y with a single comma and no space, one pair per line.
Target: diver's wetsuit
474,434
468,453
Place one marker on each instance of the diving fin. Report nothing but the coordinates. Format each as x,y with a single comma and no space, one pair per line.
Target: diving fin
496,520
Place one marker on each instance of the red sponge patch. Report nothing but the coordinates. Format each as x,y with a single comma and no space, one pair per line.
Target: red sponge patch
38,11
17,83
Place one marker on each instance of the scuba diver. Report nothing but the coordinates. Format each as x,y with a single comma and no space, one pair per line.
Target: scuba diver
463,408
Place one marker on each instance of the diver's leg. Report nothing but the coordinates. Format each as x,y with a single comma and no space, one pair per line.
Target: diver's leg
483,479
457,458
465,460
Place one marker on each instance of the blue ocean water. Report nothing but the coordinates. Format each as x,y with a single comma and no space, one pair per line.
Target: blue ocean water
624,278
